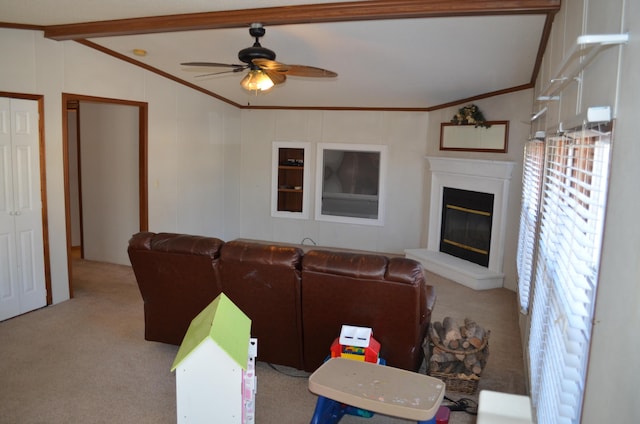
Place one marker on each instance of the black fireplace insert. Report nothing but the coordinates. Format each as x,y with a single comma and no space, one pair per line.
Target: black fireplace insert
466,224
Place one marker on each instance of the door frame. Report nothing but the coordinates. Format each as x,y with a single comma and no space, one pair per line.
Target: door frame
43,184
143,109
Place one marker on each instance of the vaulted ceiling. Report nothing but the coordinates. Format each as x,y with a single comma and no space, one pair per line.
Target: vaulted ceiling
388,54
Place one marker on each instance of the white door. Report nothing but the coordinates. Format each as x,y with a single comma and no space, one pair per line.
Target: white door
22,282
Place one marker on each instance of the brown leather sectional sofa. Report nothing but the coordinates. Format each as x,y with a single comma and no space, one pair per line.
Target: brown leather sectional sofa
297,301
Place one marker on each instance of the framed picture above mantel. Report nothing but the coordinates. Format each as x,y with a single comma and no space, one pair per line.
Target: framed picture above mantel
469,138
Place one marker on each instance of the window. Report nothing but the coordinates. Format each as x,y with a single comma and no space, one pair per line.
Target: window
531,185
350,183
564,266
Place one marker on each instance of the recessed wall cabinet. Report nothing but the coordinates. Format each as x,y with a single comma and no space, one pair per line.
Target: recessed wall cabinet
290,180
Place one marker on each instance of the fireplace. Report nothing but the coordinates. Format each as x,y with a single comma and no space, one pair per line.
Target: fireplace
466,224
474,184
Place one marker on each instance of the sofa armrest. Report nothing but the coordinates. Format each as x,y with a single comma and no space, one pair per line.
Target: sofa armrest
141,241
404,270
187,244
176,243
177,277
430,298
409,271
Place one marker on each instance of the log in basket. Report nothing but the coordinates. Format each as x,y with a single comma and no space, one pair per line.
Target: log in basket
457,354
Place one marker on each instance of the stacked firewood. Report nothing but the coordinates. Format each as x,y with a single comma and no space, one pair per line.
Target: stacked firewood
457,349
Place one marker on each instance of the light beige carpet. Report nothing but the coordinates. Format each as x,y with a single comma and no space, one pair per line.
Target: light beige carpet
86,360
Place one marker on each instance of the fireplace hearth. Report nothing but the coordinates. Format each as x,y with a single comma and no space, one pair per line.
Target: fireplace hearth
489,179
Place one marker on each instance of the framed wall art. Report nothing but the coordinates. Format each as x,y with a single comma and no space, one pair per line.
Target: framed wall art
492,137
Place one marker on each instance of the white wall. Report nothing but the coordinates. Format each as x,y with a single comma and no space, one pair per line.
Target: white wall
188,137
617,306
410,136
207,169
109,136
611,390
404,134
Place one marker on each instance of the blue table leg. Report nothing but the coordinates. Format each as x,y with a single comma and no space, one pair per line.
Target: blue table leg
328,411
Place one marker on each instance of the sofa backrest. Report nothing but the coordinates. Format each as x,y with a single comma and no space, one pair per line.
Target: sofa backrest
388,295
177,276
263,280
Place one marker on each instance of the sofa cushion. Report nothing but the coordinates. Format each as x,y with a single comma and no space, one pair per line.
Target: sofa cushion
263,280
372,293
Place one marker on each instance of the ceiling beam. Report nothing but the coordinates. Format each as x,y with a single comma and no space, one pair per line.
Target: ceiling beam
315,13
544,39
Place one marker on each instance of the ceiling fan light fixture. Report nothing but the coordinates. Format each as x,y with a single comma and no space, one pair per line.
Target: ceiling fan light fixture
264,71
256,80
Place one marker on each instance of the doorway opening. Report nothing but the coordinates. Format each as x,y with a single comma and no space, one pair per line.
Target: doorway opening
114,160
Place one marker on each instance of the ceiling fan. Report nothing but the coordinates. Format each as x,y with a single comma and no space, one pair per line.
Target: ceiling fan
264,71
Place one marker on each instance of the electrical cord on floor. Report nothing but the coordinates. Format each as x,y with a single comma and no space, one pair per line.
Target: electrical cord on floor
467,405
290,372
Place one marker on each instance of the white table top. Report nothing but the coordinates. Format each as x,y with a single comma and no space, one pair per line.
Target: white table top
382,389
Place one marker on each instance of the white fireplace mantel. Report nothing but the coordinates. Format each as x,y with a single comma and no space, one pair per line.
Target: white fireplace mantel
485,176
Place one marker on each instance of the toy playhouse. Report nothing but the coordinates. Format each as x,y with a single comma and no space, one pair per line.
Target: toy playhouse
215,367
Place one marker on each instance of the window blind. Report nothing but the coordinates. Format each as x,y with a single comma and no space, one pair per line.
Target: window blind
533,165
566,259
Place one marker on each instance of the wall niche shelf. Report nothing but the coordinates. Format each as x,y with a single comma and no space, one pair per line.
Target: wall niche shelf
290,180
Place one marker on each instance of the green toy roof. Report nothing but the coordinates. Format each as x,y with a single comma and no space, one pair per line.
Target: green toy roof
224,323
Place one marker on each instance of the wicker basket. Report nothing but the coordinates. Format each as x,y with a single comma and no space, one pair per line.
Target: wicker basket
456,382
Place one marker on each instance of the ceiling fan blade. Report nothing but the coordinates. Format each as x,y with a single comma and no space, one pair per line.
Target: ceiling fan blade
309,71
276,77
271,65
219,73
214,64
293,70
